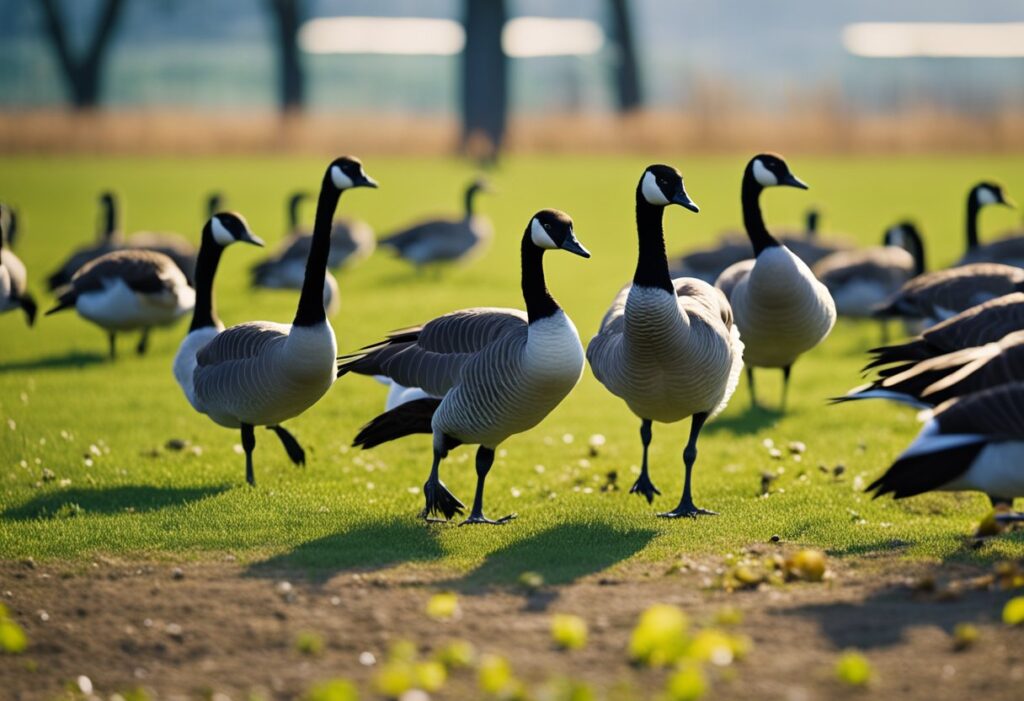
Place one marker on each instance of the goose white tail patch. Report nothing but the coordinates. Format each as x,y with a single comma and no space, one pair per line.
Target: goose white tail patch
220,232
763,176
340,180
539,236
986,196
651,192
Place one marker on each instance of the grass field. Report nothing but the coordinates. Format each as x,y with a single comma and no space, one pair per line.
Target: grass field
97,430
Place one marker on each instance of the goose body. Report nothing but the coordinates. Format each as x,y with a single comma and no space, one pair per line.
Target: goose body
1008,250
489,372
262,373
941,294
109,239
14,292
667,347
808,245
174,246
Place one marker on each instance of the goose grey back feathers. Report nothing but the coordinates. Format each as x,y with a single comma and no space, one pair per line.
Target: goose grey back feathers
941,294
175,247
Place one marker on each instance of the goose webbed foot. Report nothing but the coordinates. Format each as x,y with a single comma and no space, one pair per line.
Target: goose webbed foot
687,509
645,487
480,518
440,501
291,446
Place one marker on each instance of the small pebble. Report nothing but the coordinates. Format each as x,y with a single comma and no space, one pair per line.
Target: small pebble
84,684
177,573
367,659
797,447
775,538
176,444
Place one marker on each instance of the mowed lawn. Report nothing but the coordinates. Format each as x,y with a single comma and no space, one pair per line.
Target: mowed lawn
85,471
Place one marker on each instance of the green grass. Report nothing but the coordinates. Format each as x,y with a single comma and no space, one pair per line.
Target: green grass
59,396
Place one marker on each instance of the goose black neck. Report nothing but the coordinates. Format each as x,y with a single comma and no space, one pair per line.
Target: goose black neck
916,250
470,196
205,313
109,227
651,260
311,300
539,302
753,222
293,211
973,208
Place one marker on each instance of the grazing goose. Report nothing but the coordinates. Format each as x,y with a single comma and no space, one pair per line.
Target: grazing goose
110,239
930,382
491,372
972,443
222,230
14,292
1009,250
127,290
666,346
975,326
941,294
262,373
780,308
444,240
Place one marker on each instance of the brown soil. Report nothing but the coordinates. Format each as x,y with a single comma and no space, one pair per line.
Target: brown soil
118,623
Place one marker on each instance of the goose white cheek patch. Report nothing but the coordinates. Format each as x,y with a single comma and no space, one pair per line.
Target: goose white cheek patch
340,180
986,196
652,193
220,232
763,176
540,237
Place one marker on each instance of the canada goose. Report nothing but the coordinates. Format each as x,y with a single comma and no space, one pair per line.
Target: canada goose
222,230
491,372
808,245
261,373
780,308
666,346
861,280
1009,250
110,239
975,442
9,221
929,382
708,263
976,326
126,290
352,240
444,240
941,294
14,292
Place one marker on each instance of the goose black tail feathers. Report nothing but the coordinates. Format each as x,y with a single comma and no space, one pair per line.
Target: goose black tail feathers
404,420
924,472
911,351
66,298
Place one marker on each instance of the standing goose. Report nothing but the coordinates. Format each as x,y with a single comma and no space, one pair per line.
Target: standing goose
222,230
972,443
444,240
667,347
262,373
127,290
491,372
975,326
110,239
780,308
941,294
1008,250
14,292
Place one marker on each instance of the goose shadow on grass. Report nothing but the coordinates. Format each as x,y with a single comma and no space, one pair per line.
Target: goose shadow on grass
750,421
108,500
67,361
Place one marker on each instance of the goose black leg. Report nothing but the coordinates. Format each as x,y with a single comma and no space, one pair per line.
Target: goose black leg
291,446
785,387
438,498
643,484
143,342
484,460
112,339
28,305
248,443
750,384
686,506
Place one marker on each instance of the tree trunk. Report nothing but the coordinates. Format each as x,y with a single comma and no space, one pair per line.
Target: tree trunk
627,69
484,77
83,76
292,88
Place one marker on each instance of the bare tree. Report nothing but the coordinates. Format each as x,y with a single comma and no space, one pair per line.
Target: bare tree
291,79
627,68
82,75
484,75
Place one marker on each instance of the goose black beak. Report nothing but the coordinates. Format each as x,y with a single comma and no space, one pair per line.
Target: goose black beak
683,200
368,182
253,239
793,181
572,245
1007,202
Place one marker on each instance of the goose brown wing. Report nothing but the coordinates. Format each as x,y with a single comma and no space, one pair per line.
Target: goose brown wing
142,271
997,413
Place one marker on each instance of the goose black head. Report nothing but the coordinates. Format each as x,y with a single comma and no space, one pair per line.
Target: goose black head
479,185
347,172
108,198
662,185
988,192
226,228
551,229
769,170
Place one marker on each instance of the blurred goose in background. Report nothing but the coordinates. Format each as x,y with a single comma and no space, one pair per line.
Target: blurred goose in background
10,221
262,373
941,294
808,244
491,373
976,326
128,290
444,240
174,246
975,442
781,309
14,292
110,239
1009,250
668,347
222,230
